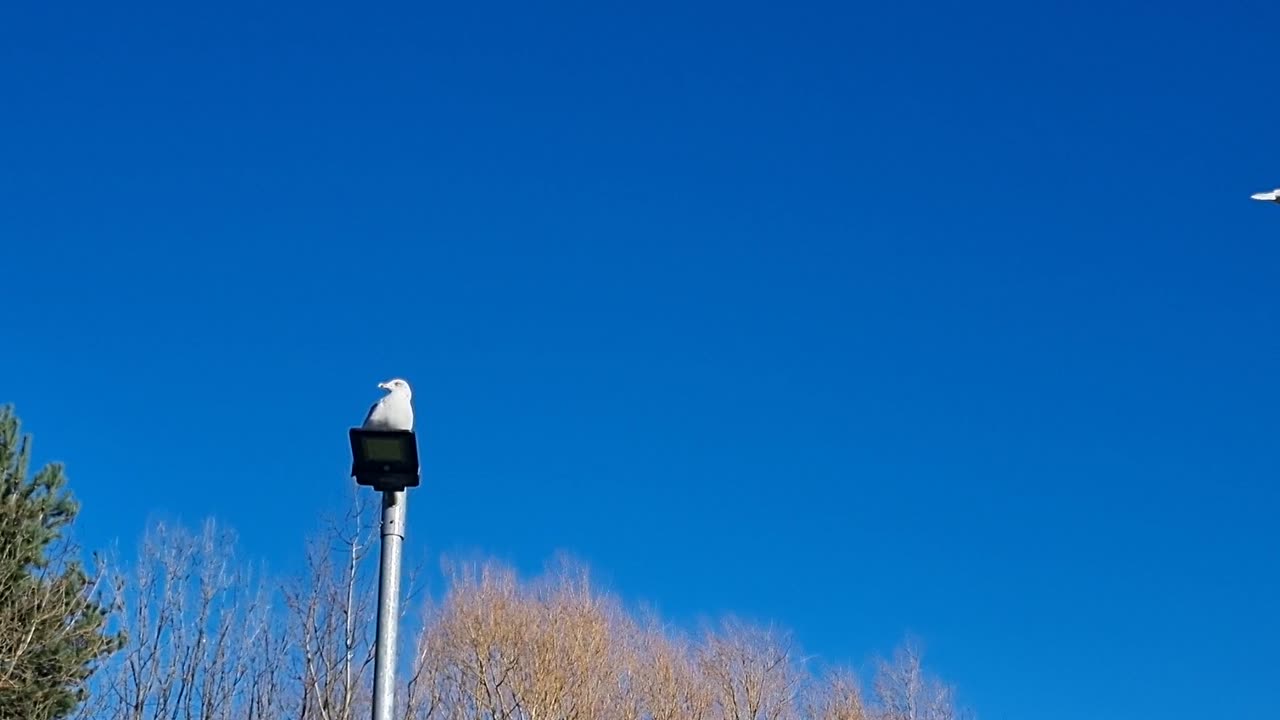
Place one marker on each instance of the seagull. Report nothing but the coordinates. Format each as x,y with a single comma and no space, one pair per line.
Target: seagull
1273,196
394,411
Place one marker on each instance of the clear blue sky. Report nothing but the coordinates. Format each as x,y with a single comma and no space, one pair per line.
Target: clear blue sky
943,318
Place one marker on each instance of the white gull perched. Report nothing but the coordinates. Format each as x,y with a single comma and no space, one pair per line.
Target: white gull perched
394,411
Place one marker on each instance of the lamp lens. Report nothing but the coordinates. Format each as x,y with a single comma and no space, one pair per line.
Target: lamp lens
379,449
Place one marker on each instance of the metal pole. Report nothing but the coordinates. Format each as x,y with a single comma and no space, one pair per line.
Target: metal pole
384,660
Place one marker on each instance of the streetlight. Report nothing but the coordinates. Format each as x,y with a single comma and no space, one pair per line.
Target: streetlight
387,461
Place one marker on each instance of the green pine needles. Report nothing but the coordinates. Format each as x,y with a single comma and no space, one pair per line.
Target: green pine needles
53,628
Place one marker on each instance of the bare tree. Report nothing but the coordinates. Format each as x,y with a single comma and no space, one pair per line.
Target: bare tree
668,678
837,696
498,650
329,613
904,691
210,640
200,639
576,650
752,673
558,649
475,645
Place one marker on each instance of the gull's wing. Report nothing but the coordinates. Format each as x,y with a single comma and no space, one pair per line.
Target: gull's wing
392,412
374,414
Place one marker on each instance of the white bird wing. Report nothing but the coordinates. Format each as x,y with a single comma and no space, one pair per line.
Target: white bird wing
375,418
392,412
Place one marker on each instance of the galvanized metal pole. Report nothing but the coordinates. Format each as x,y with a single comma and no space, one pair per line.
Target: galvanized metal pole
384,659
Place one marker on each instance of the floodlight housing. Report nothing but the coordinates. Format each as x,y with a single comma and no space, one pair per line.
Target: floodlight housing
386,460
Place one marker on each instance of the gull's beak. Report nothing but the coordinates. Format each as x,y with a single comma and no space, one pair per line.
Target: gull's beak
383,386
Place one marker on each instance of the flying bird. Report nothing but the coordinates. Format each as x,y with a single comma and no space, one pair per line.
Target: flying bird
1273,196
394,411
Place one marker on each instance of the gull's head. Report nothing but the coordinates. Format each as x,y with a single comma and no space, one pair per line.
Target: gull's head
396,386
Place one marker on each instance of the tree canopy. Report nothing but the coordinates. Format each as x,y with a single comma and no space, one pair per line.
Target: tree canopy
53,628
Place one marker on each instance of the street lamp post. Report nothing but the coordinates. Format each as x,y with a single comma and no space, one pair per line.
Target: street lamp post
387,461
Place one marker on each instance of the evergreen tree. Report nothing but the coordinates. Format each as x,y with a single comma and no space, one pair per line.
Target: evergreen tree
53,629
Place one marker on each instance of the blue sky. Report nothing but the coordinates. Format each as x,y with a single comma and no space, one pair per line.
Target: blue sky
943,318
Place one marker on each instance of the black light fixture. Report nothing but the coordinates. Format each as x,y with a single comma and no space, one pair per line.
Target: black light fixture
386,460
